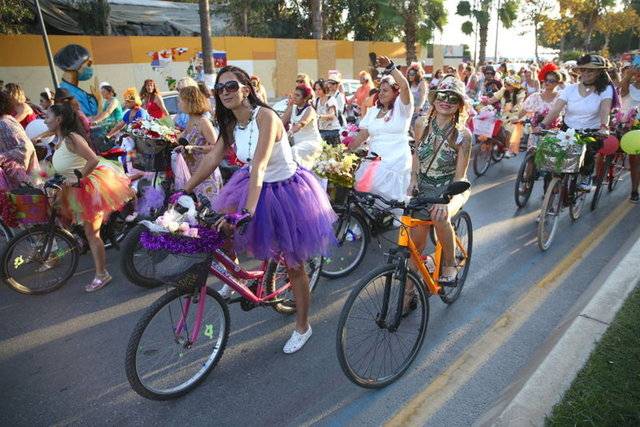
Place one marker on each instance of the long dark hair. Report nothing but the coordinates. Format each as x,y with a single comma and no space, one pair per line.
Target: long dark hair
149,96
224,116
70,121
602,81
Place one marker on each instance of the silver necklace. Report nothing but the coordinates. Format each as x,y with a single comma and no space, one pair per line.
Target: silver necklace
248,124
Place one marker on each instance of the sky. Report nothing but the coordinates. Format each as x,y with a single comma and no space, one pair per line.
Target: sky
512,43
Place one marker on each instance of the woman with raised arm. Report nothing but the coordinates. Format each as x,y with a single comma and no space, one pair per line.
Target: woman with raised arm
386,127
271,192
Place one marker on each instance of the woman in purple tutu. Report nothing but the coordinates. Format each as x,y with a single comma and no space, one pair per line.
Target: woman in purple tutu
290,215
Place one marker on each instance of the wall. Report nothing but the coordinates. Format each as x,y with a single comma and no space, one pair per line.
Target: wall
124,62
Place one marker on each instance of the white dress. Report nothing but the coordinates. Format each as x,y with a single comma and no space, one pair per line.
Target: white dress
389,139
307,142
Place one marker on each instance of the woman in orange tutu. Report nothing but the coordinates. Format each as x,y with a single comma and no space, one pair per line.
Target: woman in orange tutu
89,200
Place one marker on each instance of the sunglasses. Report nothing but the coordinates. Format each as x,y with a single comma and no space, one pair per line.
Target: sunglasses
231,86
448,97
550,81
300,81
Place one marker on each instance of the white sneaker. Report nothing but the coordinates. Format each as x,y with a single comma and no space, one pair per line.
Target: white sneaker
297,341
226,292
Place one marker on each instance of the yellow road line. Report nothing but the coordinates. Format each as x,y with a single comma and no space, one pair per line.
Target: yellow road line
427,402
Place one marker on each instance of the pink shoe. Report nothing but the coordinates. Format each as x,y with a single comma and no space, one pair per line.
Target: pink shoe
99,283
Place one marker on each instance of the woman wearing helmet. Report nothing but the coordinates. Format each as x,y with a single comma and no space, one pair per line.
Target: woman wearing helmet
587,106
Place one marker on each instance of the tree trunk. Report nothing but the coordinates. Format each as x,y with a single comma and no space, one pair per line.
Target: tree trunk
484,30
245,20
205,36
535,36
316,19
410,29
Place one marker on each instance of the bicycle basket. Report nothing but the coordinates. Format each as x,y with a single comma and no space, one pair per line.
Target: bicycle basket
570,161
152,155
181,261
31,205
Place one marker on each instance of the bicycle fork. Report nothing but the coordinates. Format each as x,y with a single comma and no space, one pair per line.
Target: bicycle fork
184,313
400,274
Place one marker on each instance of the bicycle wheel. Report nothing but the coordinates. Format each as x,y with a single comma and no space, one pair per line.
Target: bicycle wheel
497,152
353,236
578,198
525,180
276,277
162,361
464,245
482,158
549,213
136,262
116,228
602,171
39,260
370,354
615,171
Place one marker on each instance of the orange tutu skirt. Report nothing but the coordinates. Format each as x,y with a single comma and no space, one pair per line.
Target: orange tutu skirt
105,190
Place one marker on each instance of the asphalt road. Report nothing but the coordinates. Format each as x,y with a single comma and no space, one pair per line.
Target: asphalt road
62,354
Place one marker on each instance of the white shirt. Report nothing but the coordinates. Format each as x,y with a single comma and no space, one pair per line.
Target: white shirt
631,100
323,108
583,112
281,165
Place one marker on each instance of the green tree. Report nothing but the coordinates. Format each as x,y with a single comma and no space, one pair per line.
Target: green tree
480,18
417,19
368,22
14,16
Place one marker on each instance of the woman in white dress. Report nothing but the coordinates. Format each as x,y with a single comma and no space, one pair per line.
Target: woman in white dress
386,127
303,127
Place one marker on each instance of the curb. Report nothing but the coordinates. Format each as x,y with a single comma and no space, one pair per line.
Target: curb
554,375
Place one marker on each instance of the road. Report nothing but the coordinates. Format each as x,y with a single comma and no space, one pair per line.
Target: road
62,354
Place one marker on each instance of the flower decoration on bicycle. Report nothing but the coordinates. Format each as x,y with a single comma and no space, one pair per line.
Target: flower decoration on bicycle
337,165
562,151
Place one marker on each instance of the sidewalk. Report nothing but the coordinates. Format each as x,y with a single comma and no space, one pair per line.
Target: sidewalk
553,376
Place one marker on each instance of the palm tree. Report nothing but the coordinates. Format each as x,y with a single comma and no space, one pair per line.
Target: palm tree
205,36
316,18
481,13
418,19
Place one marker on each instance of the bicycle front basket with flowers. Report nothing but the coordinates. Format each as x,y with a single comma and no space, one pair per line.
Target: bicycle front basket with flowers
561,151
337,165
153,142
181,253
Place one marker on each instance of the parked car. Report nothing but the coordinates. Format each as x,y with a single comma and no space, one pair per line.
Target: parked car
171,102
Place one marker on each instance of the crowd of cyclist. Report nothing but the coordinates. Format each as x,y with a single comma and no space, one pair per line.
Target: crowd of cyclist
275,186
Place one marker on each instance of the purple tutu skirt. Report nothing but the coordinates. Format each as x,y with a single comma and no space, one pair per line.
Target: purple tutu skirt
293,218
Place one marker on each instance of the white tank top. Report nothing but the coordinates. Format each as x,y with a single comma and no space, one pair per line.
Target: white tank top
280,166
308,133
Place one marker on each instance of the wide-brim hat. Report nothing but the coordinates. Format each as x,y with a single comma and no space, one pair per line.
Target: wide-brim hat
334,77
514,81
451,84
592,62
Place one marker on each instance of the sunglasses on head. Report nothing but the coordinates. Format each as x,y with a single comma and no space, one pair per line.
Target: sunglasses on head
448,97
231,86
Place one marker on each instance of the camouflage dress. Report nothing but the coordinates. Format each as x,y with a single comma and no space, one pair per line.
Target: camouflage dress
433,179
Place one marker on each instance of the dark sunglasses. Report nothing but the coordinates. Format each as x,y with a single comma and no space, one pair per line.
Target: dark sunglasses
550,81
489,74
299,81
448,97
231,86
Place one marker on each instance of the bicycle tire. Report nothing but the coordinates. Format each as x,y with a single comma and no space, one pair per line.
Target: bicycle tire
273,280
462,216
615,171
497,153
9,264
133,257
342,336
131,357
551,206
482,159
576,205
525,178
599,181
364,237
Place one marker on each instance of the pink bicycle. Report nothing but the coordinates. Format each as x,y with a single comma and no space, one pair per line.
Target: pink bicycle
181,337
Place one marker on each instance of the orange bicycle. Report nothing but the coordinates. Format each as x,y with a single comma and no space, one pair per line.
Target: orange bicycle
383,323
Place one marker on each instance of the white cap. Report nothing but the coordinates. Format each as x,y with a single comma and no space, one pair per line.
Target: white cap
103,84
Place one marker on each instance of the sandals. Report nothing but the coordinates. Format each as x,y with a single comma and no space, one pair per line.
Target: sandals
450,279
99,282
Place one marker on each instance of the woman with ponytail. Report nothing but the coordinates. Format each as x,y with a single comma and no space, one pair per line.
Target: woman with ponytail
442,157
286,211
